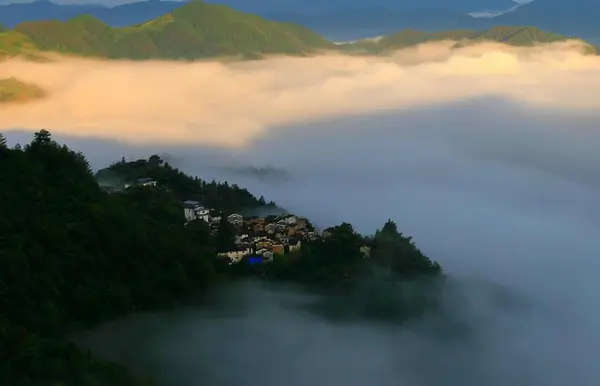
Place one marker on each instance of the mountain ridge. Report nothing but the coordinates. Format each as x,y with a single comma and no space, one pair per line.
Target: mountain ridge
196,30
199,30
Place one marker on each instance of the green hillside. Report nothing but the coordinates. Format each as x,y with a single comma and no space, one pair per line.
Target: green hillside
516,36
198,30
194,31
13,90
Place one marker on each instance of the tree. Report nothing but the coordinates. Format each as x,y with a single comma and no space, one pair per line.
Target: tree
225,238
72,255
3,144
399,253
43,137
155,161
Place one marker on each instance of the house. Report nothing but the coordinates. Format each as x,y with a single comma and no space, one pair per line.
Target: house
141,182
291,219
278,248
240,239
270,228
236,219
237,254
365,250
294,245
264,244
193,210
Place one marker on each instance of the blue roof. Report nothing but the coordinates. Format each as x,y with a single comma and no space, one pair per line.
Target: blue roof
255,259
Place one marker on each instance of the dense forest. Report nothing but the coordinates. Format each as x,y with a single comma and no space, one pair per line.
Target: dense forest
74,255
220,196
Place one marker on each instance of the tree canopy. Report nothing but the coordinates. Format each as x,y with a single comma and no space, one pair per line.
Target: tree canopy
73,255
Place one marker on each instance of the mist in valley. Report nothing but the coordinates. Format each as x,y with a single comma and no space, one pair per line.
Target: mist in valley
486,155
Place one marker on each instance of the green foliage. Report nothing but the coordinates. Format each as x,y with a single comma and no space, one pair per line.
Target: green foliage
225,238
396,282
194,31
397,252
219,196
516,36
73,255
200,30
338,258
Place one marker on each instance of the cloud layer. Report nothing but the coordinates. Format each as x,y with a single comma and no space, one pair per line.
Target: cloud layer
488,156
231,104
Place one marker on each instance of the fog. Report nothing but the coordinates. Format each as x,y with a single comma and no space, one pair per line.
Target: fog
486,155
231,104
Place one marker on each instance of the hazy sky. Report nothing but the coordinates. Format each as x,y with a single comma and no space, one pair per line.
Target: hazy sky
487,156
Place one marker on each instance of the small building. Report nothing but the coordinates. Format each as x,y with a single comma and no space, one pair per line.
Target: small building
268,256
270,228
235,219
291,219
278,248
237,254
365,250
193,210
294,245
141,182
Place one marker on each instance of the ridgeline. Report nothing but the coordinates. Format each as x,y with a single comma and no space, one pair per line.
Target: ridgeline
199,30
75,254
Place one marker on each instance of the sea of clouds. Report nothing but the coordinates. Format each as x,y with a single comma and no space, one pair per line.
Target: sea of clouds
487,155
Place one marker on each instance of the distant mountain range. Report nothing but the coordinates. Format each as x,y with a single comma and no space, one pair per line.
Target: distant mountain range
193,31
119,16
345,20
198,30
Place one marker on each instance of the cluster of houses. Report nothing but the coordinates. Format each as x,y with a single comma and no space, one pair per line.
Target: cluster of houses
258,239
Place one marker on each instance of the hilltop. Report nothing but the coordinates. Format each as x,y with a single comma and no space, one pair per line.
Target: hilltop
199,30
195,30
514,36
75,255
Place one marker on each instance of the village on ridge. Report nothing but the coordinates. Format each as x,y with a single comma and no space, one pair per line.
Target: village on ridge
257,238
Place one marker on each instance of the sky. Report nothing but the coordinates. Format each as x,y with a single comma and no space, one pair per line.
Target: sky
487,155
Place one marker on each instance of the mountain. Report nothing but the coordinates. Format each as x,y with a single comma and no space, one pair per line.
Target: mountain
516,36
344,20
194,31
200,30
577,17
119,16
349,24
457,7
139,12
